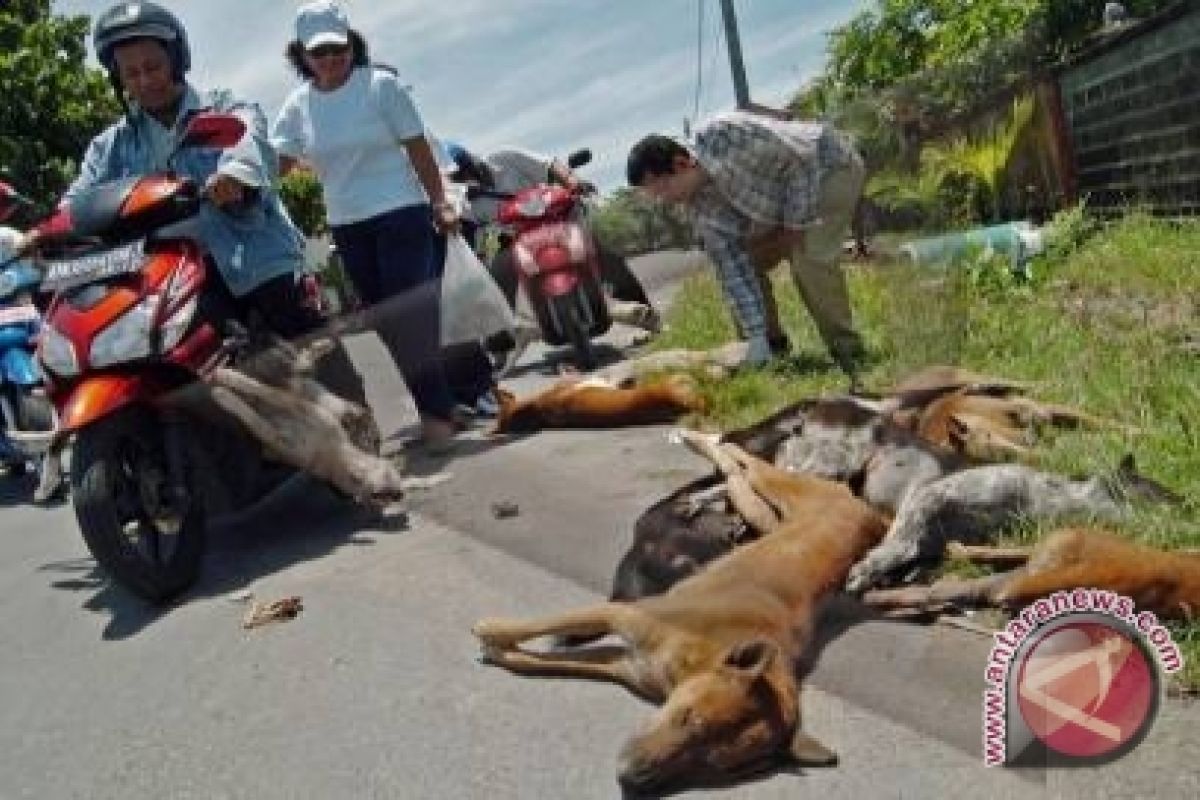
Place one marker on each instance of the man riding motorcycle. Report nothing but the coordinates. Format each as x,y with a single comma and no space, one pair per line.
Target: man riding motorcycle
510,171
257,250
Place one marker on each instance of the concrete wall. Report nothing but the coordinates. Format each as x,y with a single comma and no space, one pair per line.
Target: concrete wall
1132,116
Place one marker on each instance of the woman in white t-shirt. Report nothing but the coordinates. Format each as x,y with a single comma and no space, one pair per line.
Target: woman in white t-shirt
385,200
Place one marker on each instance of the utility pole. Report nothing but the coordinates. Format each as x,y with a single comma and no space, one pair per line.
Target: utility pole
741,91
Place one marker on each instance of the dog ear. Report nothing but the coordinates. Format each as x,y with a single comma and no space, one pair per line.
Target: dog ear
751,658
809,752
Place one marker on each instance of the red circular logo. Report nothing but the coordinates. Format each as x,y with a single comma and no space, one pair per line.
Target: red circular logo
1087,689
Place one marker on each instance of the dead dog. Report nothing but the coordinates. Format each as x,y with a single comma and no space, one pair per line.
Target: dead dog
275,397
1164,582
578,402
719,649
695,524
974,505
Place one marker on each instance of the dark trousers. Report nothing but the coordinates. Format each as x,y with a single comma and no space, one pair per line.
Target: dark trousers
394,260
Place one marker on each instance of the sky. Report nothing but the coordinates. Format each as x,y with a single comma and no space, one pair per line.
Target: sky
547,75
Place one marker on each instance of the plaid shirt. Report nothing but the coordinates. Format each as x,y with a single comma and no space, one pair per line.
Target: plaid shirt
763,173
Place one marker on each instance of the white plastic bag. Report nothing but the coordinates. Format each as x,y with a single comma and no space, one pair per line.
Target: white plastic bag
472,307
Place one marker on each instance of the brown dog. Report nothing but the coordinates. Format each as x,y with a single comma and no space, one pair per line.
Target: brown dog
987,427
1167,583
719,649
590,403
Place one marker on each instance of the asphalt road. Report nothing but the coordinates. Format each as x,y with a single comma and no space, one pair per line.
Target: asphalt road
375,691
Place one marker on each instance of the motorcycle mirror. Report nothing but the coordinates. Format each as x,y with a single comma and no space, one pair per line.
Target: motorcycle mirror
579,158
207,129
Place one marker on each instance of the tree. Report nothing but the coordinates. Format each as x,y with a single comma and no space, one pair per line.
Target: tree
53,104
630,222
901,38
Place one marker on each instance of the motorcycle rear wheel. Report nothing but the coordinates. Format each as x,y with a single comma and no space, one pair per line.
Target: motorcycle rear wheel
148,541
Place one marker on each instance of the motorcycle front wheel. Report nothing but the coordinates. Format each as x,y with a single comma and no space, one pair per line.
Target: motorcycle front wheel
566,309
32,412
147,536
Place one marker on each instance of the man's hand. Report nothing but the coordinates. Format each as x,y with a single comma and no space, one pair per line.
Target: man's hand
222,190
27,243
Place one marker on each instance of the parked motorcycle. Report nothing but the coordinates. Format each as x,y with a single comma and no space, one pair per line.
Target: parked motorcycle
132,329
557,262
26,416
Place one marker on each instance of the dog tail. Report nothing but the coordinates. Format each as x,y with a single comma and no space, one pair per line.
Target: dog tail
1136,486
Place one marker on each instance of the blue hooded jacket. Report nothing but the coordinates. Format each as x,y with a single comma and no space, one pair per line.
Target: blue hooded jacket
250,245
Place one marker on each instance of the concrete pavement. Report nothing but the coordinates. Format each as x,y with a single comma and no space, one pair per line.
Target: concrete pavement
374,691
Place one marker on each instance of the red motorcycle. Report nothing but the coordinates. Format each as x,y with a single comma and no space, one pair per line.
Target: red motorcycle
133,326
557,263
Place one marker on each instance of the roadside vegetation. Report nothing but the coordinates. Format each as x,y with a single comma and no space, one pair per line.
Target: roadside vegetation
1106,321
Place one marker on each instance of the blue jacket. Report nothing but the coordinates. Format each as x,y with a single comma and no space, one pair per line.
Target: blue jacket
250,245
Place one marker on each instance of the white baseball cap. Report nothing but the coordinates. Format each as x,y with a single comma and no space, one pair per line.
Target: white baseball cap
322,22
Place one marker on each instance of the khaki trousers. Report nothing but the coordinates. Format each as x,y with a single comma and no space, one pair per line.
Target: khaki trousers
814,265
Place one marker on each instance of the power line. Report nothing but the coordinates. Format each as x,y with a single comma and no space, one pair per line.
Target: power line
699,57
718,39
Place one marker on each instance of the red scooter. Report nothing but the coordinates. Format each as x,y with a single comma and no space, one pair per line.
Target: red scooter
557,263
132,328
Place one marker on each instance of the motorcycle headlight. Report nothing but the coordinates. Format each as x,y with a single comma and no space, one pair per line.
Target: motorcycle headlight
57,354
176,325
127,338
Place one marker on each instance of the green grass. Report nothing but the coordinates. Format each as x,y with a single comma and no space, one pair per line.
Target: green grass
1099,325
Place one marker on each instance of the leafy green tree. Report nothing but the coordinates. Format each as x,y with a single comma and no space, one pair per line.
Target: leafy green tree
301,193
630,222
51,103
901,38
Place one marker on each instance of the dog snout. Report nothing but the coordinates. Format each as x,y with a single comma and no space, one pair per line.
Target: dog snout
636,774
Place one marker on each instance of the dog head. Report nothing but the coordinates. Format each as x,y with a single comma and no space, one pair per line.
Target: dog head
740,717
835,440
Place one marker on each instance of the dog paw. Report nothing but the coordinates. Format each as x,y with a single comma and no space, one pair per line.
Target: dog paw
492,655
861,578
879,569
491,634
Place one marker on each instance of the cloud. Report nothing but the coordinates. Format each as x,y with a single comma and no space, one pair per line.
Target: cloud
551,75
